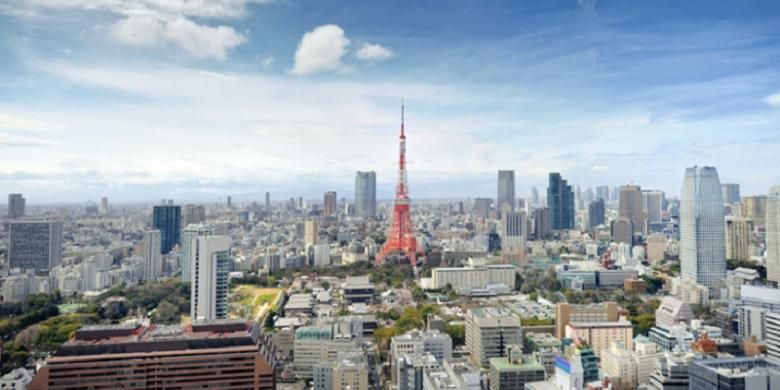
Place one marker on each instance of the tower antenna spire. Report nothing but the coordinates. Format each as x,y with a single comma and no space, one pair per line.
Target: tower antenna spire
402,116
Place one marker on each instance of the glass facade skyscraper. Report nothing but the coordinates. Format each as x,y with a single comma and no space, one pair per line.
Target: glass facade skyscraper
505,200
365,194
702,227
167,219
596,211
560,200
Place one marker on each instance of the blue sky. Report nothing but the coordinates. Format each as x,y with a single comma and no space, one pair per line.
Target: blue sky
197,99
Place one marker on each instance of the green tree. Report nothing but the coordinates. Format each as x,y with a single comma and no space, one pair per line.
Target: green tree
167,313
457,333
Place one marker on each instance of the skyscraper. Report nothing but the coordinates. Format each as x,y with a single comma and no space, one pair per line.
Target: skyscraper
188,247
104,205
311,232
560,200
365,194
534,196
34,244
211,266
268,202
754,207
16,203
630,206
329,202
167,219
596,211
622,230
773,236
739,231
505,201
153,266
513,236
542,222
653,205
730,192
602,192
482,208
194,213
702,229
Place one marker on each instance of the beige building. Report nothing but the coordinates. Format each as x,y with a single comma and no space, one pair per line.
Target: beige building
630,206
600,334
656,247
754,208
566,313
311,233
351,372
619,366
739,232
773,236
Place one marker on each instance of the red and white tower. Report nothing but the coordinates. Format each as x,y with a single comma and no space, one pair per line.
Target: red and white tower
401,237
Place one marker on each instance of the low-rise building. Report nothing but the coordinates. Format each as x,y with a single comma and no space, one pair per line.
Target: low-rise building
514,370
601,334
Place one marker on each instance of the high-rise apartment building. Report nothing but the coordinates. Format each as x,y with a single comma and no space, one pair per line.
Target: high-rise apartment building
560,200
311,234
489,331
505,200
167,219
513,236
188,247
16,204
773,335
739,233
730,192
267,202
596,212
773,236
330,203
104,205
210,264
34,244
153,265
194,213
365,194
630,206
542,222
754,207
702,228
225,355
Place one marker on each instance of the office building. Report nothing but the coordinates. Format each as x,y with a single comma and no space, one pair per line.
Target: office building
417,342
630,207
741,373
672,372
409,371
188,247
322,343
329,202
754,207
220,355
653,206
505,200
656,247
167,219
311,234
754,305
465,279
739,233
773,236
34,245
602,192
622,231
267,202
193,214
365,194
489,331
619,365
542,223
16,205
348,371
358,289
599,335
482,208
566,313
513,238
730,192
702,230
514,370
153,265
673,311
453,374
560,200
211,263
773,335
596,212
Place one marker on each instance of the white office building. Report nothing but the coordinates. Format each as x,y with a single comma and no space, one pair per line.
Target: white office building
153,265
210,261
190,232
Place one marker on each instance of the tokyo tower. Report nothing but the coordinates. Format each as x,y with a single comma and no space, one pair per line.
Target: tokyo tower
401,238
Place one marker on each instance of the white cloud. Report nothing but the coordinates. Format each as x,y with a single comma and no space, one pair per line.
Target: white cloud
373,52
24,123
320,50
773,100
149,23
267,62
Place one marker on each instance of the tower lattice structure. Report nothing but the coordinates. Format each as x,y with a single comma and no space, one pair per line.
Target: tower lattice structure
401,237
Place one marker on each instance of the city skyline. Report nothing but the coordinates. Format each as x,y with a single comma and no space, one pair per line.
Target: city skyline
108,99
